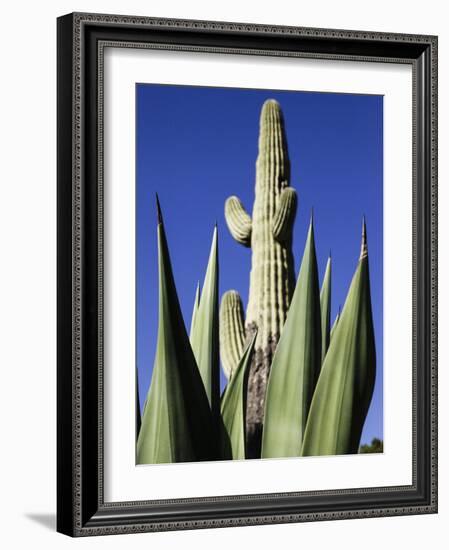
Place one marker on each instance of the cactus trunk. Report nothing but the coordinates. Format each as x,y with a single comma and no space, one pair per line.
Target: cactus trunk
272,279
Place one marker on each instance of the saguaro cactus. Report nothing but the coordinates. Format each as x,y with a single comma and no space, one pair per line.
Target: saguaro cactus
272,281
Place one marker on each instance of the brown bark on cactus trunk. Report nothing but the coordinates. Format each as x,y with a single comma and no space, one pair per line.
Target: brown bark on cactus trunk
257,386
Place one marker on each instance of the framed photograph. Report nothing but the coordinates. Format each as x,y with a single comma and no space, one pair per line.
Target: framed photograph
247,274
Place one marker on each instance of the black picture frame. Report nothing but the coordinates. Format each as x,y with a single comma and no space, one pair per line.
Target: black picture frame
81,509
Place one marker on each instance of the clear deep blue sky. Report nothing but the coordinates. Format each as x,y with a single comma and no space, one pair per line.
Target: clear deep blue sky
197,146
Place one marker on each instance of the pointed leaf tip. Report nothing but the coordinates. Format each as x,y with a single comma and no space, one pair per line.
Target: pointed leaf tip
159,211
364,244
311,230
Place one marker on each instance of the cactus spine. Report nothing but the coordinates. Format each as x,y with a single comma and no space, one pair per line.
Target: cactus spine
272,279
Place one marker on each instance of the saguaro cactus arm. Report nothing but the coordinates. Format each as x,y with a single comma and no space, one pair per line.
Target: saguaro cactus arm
238,220
232,331
284,217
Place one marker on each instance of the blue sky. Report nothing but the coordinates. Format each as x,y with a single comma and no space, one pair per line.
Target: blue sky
196,146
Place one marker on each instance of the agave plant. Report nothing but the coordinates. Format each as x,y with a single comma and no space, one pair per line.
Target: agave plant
345,386
177,424
296,386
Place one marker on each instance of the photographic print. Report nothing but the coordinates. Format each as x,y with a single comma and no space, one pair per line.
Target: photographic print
259,299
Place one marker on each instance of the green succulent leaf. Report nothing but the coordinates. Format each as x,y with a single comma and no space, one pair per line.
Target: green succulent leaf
205,334
177,424
334,326
345,386
296,364
233,404
196,305
325,301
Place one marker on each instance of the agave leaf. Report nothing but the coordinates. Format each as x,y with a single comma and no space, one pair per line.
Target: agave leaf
295,365
233,405
345,386
196,305
325,300
205,334
334,326
177,423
